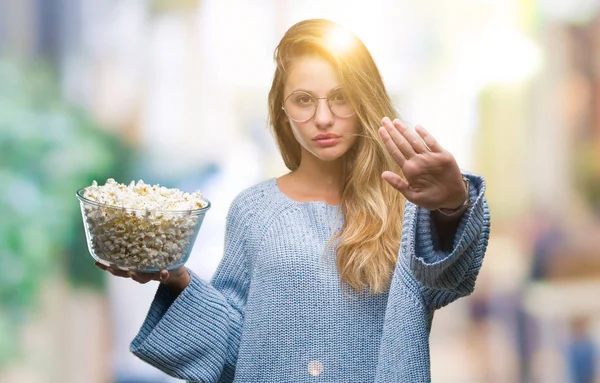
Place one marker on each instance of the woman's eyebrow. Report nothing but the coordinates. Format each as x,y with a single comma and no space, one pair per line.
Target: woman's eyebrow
312,93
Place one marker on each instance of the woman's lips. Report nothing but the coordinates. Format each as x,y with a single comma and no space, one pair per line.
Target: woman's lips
325,140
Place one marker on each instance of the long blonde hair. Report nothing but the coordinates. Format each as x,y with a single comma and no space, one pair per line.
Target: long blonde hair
368,242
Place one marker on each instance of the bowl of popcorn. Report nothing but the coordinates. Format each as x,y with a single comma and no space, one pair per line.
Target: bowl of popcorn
140,227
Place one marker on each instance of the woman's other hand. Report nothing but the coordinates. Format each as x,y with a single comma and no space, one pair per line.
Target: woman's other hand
432,178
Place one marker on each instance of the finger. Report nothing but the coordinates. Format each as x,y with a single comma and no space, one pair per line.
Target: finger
140,277
101,266
415,141
391,147
429,140
397,182
398,138
118,273
163,275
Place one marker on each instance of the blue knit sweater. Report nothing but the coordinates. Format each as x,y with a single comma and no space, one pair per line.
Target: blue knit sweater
275,311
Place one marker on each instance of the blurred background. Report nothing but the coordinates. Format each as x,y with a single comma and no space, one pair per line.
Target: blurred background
174,92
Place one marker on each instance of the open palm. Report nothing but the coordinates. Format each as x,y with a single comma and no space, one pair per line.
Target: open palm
432,178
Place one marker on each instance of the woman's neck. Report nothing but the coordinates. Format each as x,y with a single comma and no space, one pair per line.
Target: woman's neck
314,181
321,177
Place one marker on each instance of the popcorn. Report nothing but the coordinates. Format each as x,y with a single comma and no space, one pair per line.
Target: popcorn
141,227
143,196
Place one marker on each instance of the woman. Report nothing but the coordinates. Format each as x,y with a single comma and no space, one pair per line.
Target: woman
333,271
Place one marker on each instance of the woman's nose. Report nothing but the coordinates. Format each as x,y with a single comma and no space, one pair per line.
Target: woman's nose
324,118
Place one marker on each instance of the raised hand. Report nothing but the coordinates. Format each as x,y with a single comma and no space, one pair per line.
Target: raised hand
432,178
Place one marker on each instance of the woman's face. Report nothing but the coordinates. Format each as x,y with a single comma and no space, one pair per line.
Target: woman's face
325,136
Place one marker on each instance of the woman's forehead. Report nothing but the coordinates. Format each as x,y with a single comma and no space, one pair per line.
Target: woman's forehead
313,74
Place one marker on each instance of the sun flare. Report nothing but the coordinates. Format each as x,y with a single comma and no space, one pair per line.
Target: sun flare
340,40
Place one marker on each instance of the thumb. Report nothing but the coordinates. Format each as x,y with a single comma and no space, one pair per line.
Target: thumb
163,275
396,181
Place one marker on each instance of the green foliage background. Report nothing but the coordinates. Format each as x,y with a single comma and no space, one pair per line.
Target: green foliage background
48,150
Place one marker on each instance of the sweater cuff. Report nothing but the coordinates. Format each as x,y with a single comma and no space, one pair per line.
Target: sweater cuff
186,336
159,306
443,269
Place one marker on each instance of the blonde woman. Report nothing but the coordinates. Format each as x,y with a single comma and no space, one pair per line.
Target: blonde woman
331,272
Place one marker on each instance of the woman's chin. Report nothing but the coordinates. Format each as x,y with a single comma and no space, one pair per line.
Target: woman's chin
330,156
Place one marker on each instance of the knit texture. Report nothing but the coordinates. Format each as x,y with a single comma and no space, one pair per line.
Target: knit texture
275,310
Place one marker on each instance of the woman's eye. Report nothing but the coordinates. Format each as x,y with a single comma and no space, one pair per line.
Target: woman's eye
304,100
338,97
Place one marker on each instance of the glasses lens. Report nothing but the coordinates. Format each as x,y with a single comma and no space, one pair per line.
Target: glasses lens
339,104
300,106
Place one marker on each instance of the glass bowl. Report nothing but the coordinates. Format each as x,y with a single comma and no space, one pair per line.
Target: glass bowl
138,240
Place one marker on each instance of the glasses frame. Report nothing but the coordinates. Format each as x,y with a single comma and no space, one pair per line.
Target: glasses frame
316,106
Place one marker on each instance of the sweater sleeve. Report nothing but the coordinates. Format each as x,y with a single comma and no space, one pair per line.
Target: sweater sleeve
448,275
196,336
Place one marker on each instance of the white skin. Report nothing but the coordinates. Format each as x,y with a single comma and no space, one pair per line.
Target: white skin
432,178
318,176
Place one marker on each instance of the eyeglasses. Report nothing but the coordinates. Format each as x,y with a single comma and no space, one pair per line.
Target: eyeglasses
301,106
